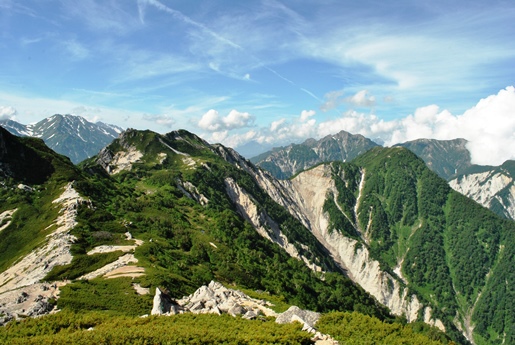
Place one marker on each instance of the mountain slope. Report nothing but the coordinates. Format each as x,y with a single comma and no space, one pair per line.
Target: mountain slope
447,247
409,240
172,211
445,157
285,162
36,213
173,194
492,187
70,135
186,171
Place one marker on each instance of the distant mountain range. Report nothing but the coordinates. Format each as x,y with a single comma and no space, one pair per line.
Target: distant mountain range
445,157
70,135
492,187
284,162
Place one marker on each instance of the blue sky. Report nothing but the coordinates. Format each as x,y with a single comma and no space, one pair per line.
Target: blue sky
267,73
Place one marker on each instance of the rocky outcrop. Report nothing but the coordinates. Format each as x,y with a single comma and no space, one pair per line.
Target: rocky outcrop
163,304
120,161
5,218
494,189
215,299
191,191
33,300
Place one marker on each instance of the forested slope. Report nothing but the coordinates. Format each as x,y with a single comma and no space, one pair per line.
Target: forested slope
453,252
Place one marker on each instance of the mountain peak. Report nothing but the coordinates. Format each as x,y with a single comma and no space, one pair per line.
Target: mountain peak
71,135
287,161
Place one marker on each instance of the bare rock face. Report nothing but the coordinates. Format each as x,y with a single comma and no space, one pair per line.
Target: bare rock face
163,304
494,189
294,313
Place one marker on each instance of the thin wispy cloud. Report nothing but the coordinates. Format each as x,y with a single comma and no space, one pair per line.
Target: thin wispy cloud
361,66
225,41
101,16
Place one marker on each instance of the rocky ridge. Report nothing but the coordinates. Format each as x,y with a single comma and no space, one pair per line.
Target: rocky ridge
304,197
286,161
214,298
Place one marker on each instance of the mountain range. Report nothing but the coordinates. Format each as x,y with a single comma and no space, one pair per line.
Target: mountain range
380,234
77,138
70,135
445,157
492,187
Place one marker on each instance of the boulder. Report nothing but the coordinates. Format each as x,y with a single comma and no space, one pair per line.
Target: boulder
163,304
294,313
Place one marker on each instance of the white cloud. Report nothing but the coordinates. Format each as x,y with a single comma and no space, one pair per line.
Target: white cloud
361,99
212,121
7,113
489,127
306,114
162,119
276,124
236,119
332,100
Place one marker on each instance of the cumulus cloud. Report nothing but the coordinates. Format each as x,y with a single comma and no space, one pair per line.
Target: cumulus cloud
489,128
306,114
334,99
7,113
361,99
213,122
276,124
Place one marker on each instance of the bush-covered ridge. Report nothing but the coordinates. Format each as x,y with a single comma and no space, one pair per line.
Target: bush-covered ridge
68,327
